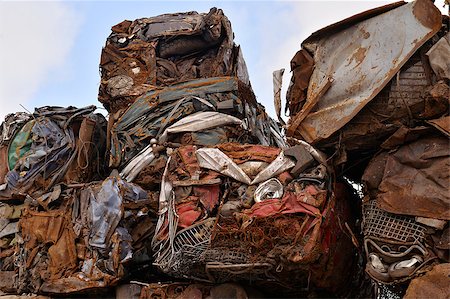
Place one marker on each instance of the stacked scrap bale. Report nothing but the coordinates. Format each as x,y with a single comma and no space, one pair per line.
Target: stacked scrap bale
362,93
200,112
203,186
46,154
176,79
62,229
237,212
52,145
177,86
148,53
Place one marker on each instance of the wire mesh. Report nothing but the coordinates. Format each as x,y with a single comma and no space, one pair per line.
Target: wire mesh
381,224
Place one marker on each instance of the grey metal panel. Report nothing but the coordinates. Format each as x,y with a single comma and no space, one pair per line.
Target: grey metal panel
361,60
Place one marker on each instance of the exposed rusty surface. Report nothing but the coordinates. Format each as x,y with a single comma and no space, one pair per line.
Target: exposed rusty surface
160,51
442,124
428,15
434,284
355,81
203,187
287,233
242,153
351,21
416,173
302,65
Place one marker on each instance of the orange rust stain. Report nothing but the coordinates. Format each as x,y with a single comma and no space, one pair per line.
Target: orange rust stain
427,14
365,34
358,56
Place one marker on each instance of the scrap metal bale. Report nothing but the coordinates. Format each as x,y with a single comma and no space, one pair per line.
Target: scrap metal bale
78,239
50,146
348,97
236,212
148,53
41,150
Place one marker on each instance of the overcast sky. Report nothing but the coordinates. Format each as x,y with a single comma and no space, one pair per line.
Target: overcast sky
50,50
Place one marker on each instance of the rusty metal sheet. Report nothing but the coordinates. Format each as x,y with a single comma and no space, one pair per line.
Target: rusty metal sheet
413,180
442,124
434,284
439,57
164,50
233,231
361,59
149,116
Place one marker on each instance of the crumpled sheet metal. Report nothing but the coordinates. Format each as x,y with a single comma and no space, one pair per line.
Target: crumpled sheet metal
408,100
57,144
214,220
182,290
147,53
348,57
302,66
438,56
139,162
413,180
277,82
156,111
434,284
106,212
215,159
269,189
85,238
201,121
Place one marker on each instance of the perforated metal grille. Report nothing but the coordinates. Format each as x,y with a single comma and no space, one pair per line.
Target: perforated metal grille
380,224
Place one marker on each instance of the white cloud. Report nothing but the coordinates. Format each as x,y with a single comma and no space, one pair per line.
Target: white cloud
36,38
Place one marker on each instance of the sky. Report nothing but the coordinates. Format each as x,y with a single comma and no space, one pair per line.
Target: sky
50,50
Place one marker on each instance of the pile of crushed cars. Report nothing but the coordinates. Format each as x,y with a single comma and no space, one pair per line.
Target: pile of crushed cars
190,190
